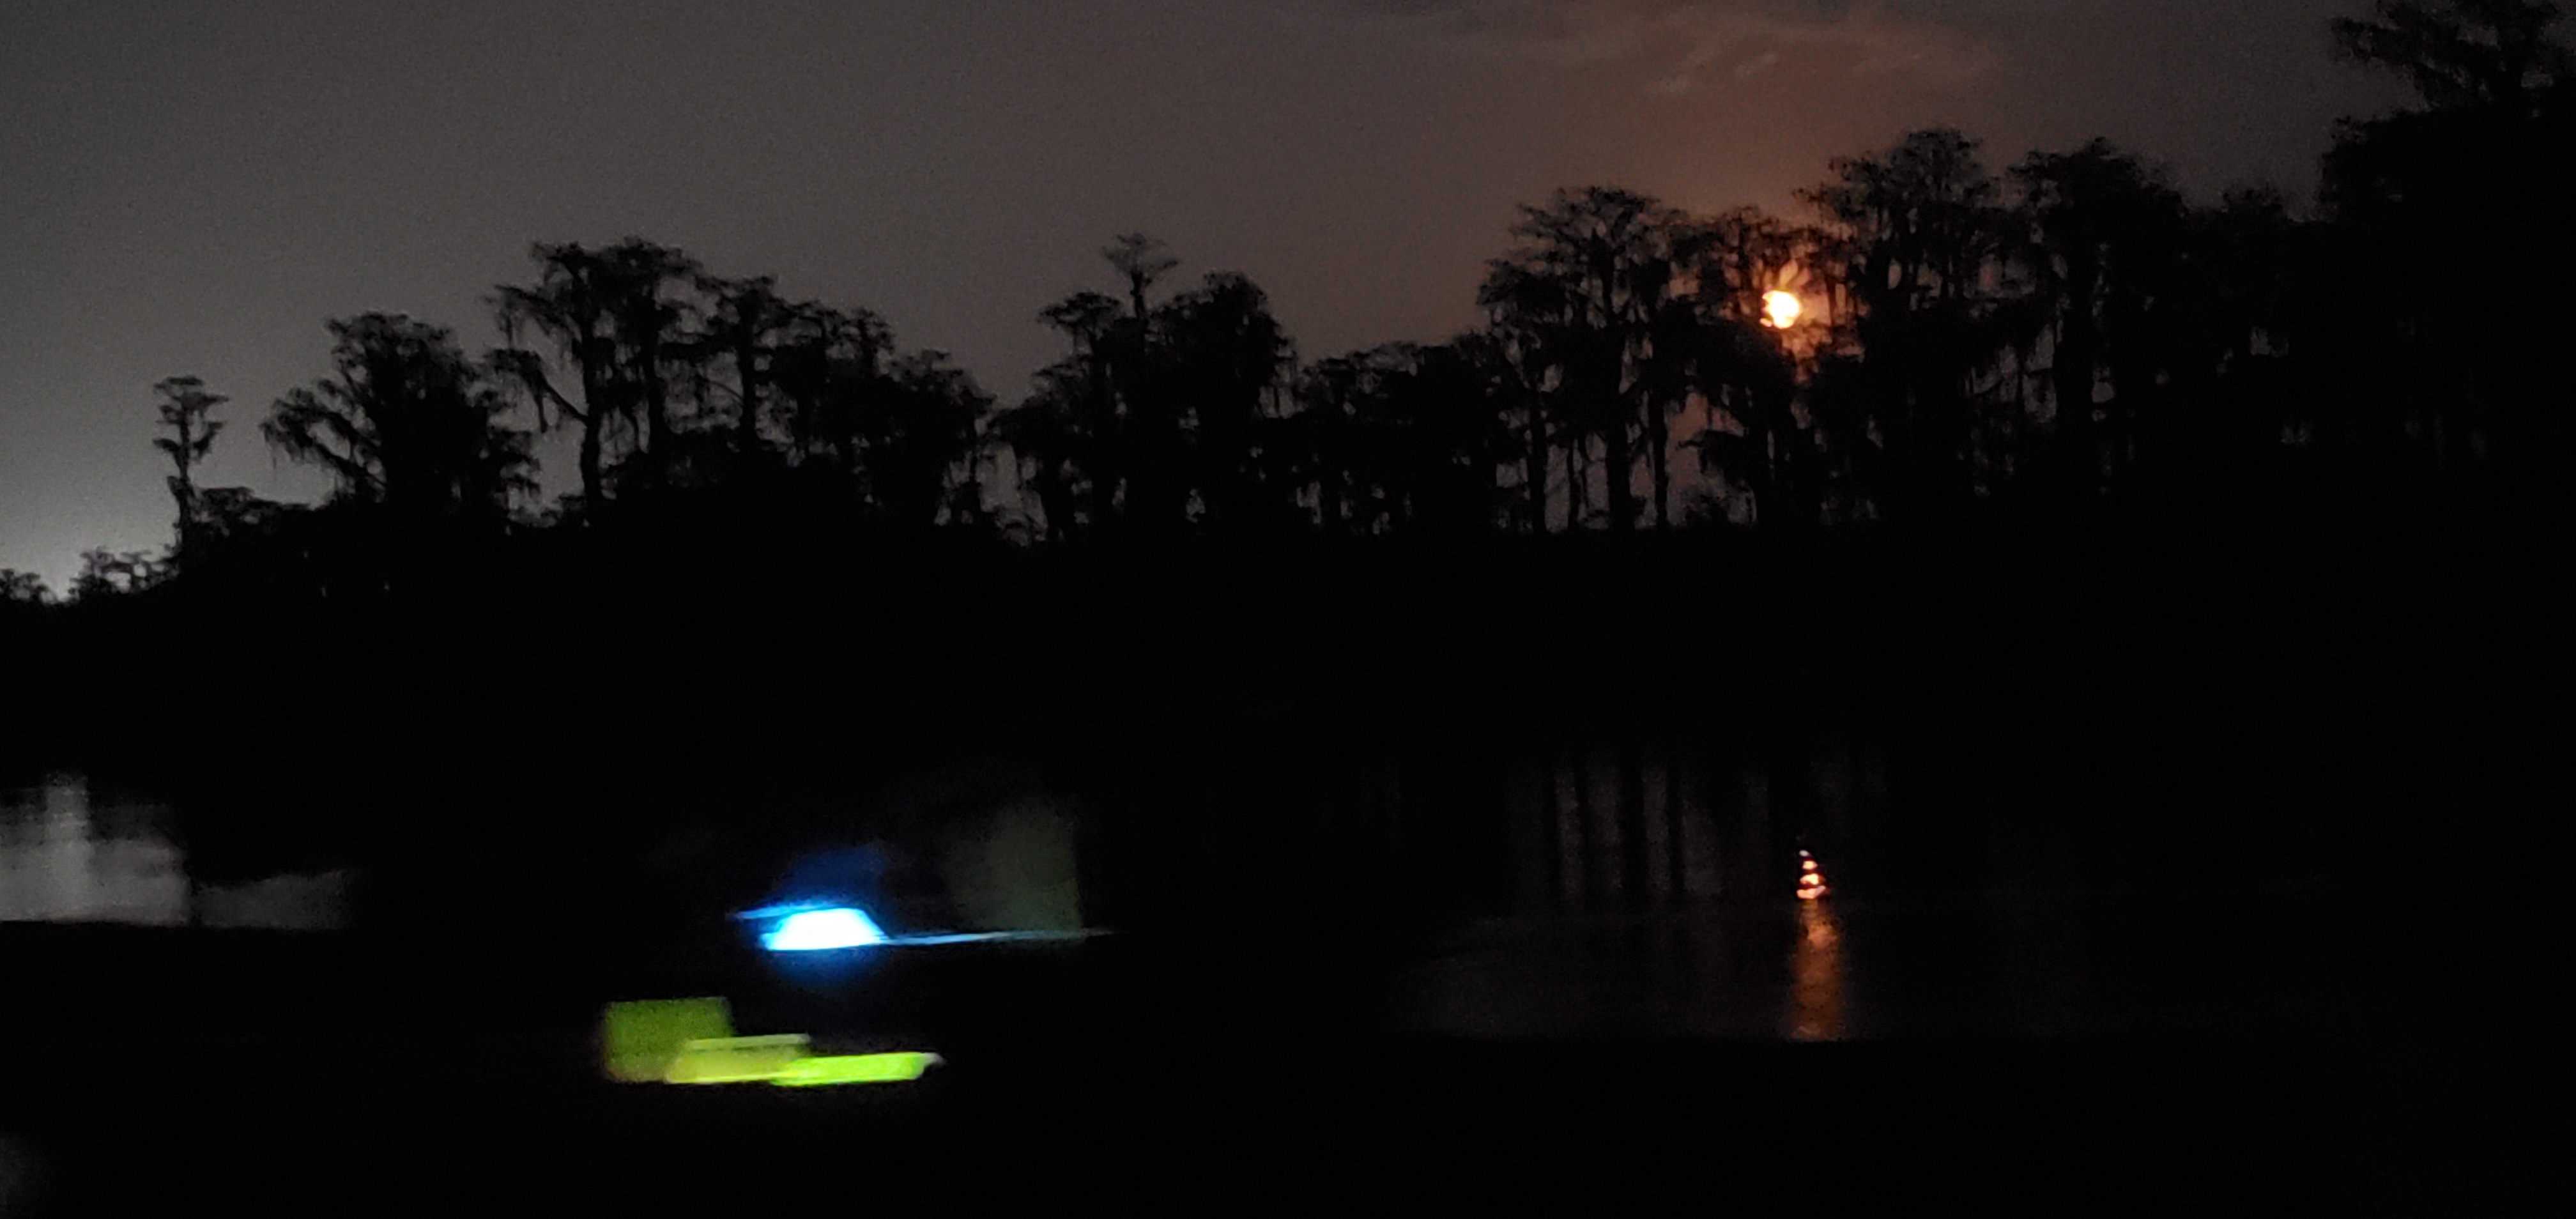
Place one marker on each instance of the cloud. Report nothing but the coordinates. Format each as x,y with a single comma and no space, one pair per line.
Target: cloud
1685,45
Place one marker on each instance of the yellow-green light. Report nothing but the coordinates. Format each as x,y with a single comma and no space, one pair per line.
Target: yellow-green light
856,1069
691,1041
736,1060
643,1039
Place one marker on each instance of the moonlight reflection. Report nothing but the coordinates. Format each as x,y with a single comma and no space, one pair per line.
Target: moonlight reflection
1815,1007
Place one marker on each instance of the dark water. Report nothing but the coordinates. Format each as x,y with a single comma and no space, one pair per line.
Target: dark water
72,853
1638,892
1591,963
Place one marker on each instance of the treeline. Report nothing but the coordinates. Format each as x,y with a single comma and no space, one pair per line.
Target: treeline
1960,427
1938,335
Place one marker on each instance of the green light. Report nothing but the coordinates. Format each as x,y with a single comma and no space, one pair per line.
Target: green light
691,1041
644,1039
856,1069
736,1060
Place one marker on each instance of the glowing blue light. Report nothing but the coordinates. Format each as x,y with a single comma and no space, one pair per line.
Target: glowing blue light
813,930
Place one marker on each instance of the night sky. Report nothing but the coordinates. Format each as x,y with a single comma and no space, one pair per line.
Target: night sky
195,187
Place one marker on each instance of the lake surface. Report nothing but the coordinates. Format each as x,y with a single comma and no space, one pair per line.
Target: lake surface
1580,894
72,853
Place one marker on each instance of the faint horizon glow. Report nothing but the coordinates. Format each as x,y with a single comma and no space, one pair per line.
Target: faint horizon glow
817,930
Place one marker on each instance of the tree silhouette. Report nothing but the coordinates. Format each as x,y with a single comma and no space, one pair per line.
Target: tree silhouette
248,544
2227,398
1323,434
186,408
1580,298
613,314
1044,437
1949,322
1141,261
2421,389
1744,371
23,588
1072,427
744,323
410,433
2415,388
1350,413
918,443
2462,53
1220,356
112,573
1918,227
1517,336
1445,439
568,306
1404,439
2099,235
830,370
1161,417
651,312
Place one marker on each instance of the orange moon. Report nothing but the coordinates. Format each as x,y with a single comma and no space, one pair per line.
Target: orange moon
1780,310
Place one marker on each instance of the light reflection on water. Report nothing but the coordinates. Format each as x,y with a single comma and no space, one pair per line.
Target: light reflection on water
62,862
1745,973
69,854
1693,933
1815,1006
1974,966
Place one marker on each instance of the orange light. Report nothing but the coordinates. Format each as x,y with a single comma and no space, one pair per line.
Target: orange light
1780,309
1808,864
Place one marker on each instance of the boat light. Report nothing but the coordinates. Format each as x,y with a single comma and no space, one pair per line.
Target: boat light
815,930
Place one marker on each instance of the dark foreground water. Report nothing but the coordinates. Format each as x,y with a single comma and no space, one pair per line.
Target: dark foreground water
1624,1000
1670,918
302,1075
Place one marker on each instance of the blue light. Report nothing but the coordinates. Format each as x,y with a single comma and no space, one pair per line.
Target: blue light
814,930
